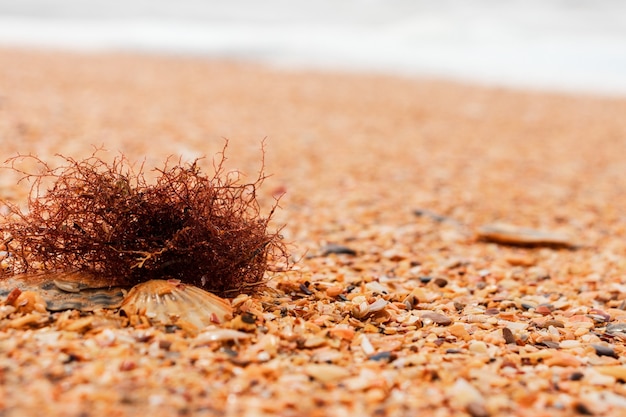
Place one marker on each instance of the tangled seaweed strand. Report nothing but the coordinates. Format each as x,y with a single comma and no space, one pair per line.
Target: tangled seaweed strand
105,218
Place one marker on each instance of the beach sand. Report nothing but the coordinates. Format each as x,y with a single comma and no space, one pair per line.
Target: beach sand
402,171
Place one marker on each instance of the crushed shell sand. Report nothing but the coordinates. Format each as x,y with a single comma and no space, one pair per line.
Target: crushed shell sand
419,317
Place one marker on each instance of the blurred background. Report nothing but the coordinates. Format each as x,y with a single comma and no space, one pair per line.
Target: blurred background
573,45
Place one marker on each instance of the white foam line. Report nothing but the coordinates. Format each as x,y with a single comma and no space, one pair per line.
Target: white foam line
425,47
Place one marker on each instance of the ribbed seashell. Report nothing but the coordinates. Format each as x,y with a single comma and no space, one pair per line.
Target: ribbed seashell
172,302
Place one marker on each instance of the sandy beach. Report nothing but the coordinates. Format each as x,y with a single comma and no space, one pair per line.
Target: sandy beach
403,172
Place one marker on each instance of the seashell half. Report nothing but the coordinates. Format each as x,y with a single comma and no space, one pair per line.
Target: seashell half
512,235
79,290
171,302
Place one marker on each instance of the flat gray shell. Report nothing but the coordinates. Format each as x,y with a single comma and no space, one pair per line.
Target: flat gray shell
67,290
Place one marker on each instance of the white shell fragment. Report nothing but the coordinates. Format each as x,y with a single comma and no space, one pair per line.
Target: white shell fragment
513,235
361,308
216,334
171,302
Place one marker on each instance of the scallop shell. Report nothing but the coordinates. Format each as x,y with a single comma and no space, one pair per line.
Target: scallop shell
172,302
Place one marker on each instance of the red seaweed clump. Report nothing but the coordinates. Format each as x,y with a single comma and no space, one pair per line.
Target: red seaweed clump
106,218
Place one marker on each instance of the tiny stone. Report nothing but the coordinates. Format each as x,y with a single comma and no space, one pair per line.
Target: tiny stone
248,318
305,290
430,214
476,409
230,352
425,279
597,318
582,409
520,260
618,372
562,359
315,341
440,282
437,318
165,344
576,376
171,328
508,336
616,328
458,330
543,310
596,312
334,290
550,344
554,323
127,365
333,248
602,350
382,356
478,346
325,372
570,344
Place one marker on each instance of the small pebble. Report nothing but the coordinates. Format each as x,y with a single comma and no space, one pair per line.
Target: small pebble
602,350
520,260
305,289
618,372
570,344
616,328
326,372
315,341
248,318
459,331
440,282
508,336
334,291
335,249
576,376
543,310
383,356
430,214
477,409
437,318
582,409
550,344
599,316
562,359
553,323
478,346
171,328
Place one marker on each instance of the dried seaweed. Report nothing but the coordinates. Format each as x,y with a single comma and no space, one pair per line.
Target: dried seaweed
107,218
